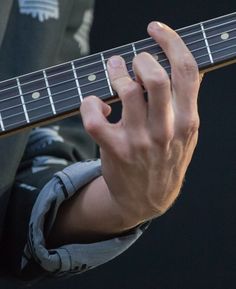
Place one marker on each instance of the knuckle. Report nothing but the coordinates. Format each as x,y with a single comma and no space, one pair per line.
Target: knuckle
162,136
190,125
91,125
90,114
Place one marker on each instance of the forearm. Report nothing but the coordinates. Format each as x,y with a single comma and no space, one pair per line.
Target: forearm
89,216
38,209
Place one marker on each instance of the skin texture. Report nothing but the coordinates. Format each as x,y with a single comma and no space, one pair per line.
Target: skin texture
146,154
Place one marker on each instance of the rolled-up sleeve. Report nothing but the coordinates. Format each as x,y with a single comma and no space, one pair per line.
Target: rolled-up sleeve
71,258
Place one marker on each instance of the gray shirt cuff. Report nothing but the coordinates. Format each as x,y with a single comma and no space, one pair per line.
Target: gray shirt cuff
71,258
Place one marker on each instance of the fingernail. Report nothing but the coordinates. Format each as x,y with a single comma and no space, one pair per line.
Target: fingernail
155,25
115,61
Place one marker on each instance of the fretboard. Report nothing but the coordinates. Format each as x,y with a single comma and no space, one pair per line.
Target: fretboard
58,91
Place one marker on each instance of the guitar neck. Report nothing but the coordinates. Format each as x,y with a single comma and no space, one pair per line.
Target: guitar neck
57,92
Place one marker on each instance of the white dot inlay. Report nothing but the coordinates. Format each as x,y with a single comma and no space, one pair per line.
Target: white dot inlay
35,95
155,56
224,36
92,77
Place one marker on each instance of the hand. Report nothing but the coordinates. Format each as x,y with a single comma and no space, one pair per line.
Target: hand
146,154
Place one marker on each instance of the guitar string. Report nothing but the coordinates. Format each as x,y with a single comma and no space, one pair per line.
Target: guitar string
96,62
85,76
205,29
97,73
95,82
137,42
222,17
102,71
73,106
131,52
90,92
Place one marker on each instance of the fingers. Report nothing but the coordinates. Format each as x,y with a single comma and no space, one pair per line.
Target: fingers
170,104
94,113
157,84
130,93
184,71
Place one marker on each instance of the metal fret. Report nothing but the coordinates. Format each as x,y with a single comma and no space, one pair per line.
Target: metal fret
106,73
35,97
22,100
49,92
126,52
1,123
221,36
134,49
77,81
207,44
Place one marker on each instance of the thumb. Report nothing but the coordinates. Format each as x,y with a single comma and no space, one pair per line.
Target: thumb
94,113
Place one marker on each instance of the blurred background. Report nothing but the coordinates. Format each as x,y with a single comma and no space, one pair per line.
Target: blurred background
194,244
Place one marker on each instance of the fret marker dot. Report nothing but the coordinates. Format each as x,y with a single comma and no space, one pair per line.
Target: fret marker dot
155,56
35,95
224,36
92,77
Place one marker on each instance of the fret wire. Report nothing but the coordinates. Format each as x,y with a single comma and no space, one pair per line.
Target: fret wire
217,51
1,123
134,49
123,54
187,27
55,102
143,40
101,96
31,101
32,118
190,43
43,106
106,73
201,63
22,100
196,32
74,107
49,92
92,91
46,105
207,44
54,85
207,29
129,62
77,81
220,58
43,115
